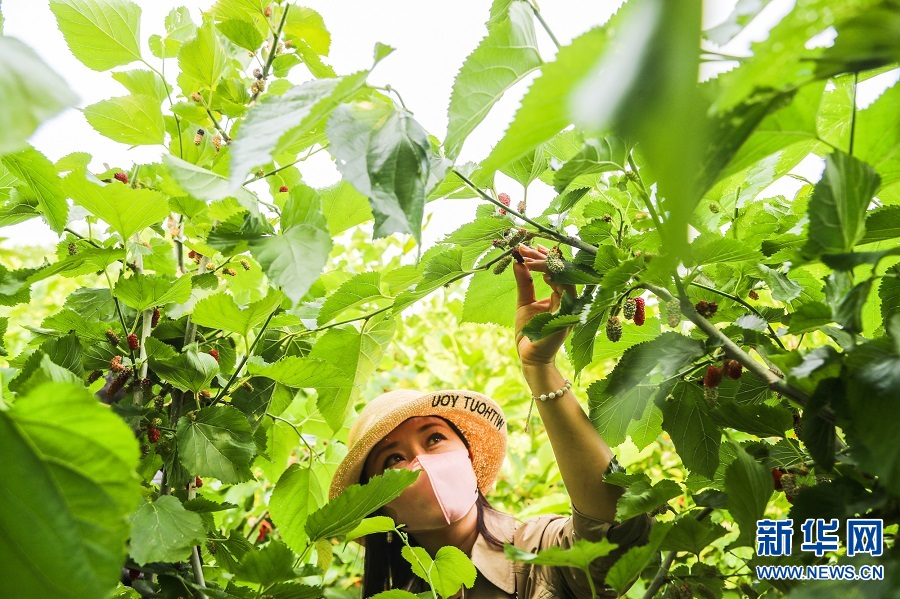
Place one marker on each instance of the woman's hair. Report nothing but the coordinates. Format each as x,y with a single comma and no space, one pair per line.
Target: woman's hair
384,566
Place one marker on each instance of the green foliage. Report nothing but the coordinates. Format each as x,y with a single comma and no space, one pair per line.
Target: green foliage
282,311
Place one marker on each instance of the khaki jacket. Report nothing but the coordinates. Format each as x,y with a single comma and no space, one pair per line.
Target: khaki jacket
500,578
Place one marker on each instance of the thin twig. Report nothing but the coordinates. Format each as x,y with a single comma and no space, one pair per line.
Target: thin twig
537,14
216,124
82,237
272,49
566,239
660,579
246,357
853,113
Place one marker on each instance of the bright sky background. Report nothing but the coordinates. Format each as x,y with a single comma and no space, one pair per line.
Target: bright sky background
432,40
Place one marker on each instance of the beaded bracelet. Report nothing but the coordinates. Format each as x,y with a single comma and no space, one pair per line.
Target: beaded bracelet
545,397
554,394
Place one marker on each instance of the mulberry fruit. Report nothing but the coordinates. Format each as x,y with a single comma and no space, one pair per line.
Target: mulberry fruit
733,369
502,264
555,262
121,177
196,97
613,329
198,482
711,395
504,199
214,353
257,74
706,309
798,426
93,376
198,137
217,142
498,243
776,477
517,256
514,236
133,342
283,189
210,266
639,313
629,309
247,386
673,312
245,263
789,486
753,295
145,450
230,272
268,11
195,256
264,529
205,394
73,249
714,208
158,403
119,382
713,377
607,218
112,337
154,320
116,364
521,207
153,435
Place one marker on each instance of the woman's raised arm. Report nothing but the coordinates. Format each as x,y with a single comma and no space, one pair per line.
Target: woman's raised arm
580,451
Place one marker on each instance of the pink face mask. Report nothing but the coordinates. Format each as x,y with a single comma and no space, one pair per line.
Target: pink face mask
443,494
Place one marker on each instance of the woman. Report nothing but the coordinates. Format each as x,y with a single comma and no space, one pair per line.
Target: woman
459,439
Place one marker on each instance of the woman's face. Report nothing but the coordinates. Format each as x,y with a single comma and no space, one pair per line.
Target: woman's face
414,436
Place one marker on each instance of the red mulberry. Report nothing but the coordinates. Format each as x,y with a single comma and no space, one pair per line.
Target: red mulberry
122,177
713,377
155,319
283,189
153,435
119,382
639,313
504,199
733,369
133,342
214,353
753,295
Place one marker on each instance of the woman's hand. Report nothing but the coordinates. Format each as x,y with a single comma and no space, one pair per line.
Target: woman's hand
535,353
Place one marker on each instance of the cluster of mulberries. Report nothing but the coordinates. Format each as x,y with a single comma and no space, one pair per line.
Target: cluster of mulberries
706,309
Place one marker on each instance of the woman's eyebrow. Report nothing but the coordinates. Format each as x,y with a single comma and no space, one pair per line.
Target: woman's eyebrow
393,444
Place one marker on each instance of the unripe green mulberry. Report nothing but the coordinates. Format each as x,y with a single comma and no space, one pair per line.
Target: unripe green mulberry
514,236
629,308
555,262
502,264
673,312
711,395
613,329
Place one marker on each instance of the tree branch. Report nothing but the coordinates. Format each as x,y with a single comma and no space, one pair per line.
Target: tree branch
272,49
246,357
746,305
662,574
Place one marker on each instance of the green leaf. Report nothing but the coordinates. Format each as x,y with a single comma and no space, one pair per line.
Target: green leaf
293,260
372,525
837,209
612,414
386,156
101,34
345,512
4,323
450,570
692,536
25,106
694,433
279,120
179,29
877,138
641,497
580,555
849,312
220,311
783,289
882,224
65,522
356,356
290,504
146,291
344,207
503,58
132,120
623,573
217,443
760,420
142,82
273,563
188,371
749,486
206,185
491,298
596,156
126,210
241,33
544,111
303,23
889,293
715,250
163,531
665,356
202,61
356,291
39,175
482,229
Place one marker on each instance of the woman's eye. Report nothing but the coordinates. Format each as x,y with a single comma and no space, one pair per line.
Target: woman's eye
392,459
435,438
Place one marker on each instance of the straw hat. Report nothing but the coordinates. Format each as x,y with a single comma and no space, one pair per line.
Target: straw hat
478,417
